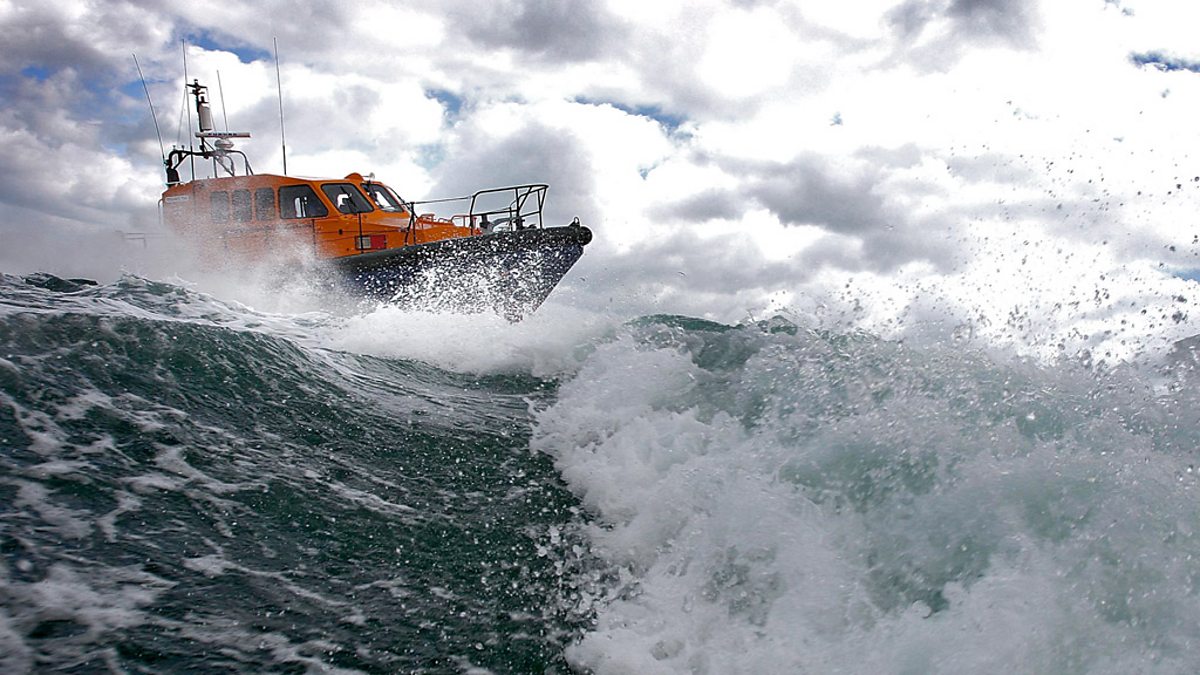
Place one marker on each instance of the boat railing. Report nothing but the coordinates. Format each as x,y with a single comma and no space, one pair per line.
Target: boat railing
512,207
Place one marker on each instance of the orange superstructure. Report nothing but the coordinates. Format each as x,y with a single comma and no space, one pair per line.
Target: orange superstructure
241,212
249,214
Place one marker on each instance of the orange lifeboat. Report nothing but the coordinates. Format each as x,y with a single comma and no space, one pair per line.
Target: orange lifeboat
495,253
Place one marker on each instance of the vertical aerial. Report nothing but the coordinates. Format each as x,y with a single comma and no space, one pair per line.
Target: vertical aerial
279,88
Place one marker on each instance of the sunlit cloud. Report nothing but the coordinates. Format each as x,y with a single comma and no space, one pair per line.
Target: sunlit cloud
727,154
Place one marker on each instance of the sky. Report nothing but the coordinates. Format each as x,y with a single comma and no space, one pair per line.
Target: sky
1023,170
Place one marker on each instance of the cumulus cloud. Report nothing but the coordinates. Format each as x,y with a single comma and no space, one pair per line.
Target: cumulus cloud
694,138
532,153
85,38
548,30
709,204
805,192
937,33
1009,21
848,203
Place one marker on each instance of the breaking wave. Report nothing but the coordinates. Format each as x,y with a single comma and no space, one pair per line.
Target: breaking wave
190,484
787,500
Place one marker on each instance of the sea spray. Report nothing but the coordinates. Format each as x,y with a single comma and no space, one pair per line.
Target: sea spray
789,500
548,345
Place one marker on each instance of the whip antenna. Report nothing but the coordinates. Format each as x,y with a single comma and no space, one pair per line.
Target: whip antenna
161,149
191,148
279,88
221,91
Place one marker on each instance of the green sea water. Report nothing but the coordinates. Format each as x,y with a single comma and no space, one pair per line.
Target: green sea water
180,493
188,484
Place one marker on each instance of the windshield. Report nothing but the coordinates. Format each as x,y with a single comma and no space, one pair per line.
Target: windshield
383,197
346,198
299,201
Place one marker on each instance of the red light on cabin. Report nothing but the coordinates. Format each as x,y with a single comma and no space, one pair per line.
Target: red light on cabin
371,242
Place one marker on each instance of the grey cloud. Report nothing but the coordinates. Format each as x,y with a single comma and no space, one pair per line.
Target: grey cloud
909,18
664,64
834,251
305,31
721,275
906,155
864,230
63,113
37,35
53,163
990,167
803,193
552,30
72,61
534,153
728,274
923,240
1009,23
724,263
708,205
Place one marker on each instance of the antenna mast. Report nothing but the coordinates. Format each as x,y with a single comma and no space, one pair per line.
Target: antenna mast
221,90
161,149
191,148
214,145
279,87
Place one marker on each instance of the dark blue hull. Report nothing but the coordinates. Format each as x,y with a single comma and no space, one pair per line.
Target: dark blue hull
510,273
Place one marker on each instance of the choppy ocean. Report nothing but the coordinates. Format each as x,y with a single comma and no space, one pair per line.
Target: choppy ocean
190,485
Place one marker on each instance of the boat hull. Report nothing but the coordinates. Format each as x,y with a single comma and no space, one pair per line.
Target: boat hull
510,273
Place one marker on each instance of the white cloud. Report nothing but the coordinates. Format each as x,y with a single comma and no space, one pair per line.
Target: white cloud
748,52
728,154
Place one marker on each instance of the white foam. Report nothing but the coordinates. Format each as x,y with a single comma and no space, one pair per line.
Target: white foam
848,505
15,655
126,503
209,565
67,522
100,602
544,344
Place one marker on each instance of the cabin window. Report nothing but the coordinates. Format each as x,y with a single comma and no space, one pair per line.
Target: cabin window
299,201
241,206
384,198
346,198
264,204
219,202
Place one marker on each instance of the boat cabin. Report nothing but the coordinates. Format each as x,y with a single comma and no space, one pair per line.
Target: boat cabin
337,217
243,213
